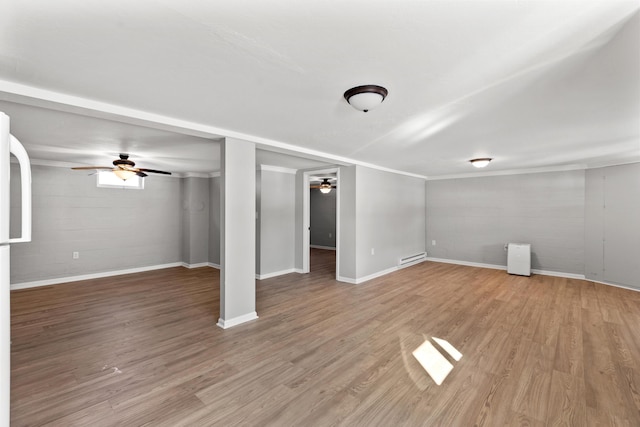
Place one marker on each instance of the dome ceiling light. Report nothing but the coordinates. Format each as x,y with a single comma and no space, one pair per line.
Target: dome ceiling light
366,97
325,186
480,162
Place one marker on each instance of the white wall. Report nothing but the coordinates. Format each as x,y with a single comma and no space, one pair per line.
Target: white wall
471,219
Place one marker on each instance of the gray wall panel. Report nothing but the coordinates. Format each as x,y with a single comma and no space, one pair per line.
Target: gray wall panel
612,232
214,221
471,219
347,195
112,229
389,219
323,218
277,222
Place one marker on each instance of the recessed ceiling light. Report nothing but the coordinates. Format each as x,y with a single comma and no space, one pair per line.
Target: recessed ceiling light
481,162
365,97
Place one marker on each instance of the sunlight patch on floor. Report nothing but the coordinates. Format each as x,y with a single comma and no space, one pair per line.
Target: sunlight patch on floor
436,365
446,346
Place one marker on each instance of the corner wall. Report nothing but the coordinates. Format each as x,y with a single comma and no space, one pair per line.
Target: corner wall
471,219
612,231
389,220
112,229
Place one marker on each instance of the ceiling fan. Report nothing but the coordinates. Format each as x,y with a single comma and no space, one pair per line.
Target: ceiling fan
123,168
325,186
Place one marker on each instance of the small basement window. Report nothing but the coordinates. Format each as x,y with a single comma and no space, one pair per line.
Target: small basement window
108,179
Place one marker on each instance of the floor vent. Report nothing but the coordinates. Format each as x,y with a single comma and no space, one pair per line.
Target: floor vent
412,259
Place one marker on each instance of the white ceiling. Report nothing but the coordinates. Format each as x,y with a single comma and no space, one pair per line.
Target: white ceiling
533,84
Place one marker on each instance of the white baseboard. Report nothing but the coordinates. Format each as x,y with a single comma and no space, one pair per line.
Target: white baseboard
47,282
226,324
371,276
615,285
198,265
274,274
467,263
346,280
558,274
298,270
328,248
504,267
212,265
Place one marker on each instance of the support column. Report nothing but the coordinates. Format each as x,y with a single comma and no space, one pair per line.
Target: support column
237,232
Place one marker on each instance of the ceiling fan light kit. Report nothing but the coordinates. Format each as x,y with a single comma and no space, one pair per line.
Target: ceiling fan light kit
366,97
480,162
124,174
124,168
325,186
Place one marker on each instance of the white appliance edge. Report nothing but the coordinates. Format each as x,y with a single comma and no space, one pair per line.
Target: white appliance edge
9,145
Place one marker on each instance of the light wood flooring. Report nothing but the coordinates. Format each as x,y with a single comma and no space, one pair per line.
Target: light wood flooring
144,349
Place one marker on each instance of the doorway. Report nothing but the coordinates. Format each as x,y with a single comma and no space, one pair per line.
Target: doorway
308,179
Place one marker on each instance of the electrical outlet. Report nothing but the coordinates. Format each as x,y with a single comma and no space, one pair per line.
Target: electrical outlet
373,251
329,235
76,255
433,243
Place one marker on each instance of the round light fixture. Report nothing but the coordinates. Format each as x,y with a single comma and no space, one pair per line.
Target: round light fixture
124,174
481,162
366,97
325,186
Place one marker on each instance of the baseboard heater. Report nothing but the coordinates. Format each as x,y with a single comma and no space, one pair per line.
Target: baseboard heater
412,259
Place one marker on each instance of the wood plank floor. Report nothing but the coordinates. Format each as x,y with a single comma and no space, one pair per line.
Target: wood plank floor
144,349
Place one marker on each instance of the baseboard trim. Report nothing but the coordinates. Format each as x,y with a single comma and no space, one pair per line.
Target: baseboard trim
615,285
504,267
558,274
467,263
58,280
212,265
226,324
346,280
376,275
275,274
198,265
371,276
298,270
328,248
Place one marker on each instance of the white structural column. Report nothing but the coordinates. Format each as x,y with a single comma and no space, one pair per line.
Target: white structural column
237,232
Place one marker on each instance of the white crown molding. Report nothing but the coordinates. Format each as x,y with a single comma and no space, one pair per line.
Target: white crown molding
24,94
281,169
67,165
563,168
193,175
50,163
610,164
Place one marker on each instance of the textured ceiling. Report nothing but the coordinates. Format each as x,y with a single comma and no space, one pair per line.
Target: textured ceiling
533,84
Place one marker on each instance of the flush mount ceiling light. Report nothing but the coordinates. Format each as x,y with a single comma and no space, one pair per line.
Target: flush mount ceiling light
366,97
325,186
481,162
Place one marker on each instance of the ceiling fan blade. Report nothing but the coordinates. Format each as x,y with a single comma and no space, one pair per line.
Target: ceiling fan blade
141,174
80,168
318,186
154,171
